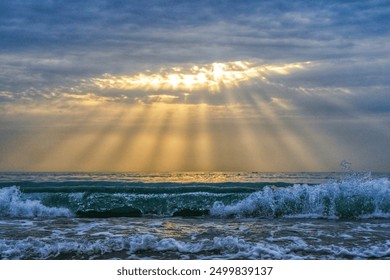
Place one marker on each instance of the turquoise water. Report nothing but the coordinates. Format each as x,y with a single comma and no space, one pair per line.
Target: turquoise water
194,216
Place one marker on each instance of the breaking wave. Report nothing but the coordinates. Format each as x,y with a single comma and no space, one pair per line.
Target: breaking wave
352,197
13,205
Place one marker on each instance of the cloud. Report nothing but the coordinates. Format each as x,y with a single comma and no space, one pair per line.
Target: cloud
44,43
210,77
235,63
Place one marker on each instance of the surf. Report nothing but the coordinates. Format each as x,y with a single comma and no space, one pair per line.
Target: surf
358,196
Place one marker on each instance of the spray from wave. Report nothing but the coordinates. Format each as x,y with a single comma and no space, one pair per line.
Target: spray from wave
356,196
12,205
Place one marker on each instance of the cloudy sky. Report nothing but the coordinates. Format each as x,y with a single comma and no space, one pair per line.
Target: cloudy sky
165,85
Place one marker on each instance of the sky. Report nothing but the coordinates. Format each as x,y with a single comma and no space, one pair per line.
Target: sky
163,85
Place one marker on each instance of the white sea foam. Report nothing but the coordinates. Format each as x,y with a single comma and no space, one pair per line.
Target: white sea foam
228,247
151,246
13,205
358,197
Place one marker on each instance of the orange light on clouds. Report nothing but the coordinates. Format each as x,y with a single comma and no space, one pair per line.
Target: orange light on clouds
211,77
164,127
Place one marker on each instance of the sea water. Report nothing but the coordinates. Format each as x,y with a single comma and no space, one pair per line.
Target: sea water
194,216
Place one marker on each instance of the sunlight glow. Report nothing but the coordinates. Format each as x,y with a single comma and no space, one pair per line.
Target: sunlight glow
211,77
171,123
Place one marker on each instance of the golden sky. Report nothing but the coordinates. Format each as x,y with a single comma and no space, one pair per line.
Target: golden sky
248,86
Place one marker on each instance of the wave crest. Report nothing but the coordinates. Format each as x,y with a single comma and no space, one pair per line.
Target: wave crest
353,197
13,205
350,198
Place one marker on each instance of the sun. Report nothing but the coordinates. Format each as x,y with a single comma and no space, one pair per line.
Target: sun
198,117
211,77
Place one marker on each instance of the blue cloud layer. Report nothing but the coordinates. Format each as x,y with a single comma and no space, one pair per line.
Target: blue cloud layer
52,43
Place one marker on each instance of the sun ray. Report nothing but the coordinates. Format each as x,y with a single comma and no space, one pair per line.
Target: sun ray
291,138
48,140
95,153
198,117
122,158
144,145
202,145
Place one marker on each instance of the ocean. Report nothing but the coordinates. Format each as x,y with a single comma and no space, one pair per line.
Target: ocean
194,215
